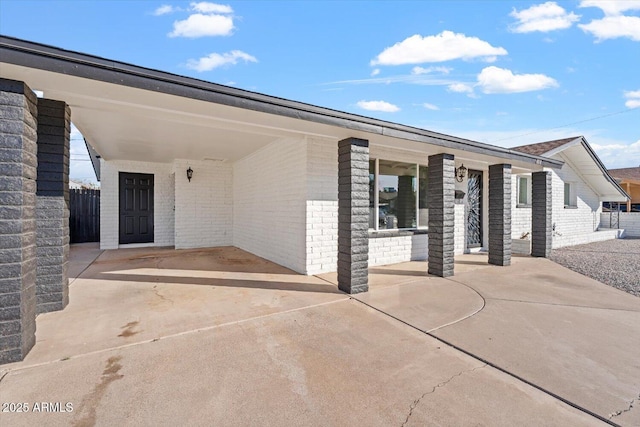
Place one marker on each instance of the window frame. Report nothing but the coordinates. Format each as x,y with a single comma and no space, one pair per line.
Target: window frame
527,203
572,196
376,199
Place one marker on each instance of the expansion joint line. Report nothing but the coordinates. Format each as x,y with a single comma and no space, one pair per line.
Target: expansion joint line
493,365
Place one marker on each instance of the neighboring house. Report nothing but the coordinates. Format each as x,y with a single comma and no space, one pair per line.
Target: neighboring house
629,179
580,187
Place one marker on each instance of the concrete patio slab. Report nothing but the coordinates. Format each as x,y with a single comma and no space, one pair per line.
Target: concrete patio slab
562,331
133,295
542,280
81,256
337,364
219,336
427,302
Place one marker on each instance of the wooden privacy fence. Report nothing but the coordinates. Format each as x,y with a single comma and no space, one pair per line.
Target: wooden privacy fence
84,218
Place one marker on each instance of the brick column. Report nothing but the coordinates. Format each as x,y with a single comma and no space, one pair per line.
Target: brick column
52,206
500,214
441,196
541,214
18,124
353,215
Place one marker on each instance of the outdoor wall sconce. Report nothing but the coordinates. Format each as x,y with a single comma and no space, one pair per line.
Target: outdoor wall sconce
461,172
189,173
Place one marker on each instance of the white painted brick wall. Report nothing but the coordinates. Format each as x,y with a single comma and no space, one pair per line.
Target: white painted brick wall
628,221
520,216
322,214
579,239
109,200
392,250
269,208
572,226
204,206
322,206
322,236
585,219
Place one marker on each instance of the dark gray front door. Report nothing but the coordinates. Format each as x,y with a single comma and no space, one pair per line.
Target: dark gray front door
474,215
136,208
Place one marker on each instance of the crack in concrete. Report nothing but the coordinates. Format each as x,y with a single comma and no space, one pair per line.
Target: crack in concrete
162,297
628,408
439,385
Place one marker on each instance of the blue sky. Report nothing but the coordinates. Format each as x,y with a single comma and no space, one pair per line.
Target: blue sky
501,72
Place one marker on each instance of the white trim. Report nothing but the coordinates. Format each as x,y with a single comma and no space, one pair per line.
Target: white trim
376,195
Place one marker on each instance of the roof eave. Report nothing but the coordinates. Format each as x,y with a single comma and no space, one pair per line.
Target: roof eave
604,170
39,56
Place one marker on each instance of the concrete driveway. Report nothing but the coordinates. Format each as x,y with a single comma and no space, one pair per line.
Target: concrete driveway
221,337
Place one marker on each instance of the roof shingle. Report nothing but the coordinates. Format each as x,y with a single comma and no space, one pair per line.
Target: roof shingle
541,148
632,174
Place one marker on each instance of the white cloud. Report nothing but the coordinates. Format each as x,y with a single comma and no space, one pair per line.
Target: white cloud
430,106
611,27
199,25
499,80
215,60
206,7
445,46
375,72
543,17
618,155
612,7
460,88
164,9
633,99
378,106
418,79
421,70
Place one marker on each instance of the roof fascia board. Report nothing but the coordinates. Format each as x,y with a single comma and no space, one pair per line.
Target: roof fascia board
49,58
604,170
563,147
95,158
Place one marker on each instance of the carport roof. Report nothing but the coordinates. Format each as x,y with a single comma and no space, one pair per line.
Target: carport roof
63,73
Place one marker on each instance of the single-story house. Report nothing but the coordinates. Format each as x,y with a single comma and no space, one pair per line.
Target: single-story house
629,179
580,187
189,163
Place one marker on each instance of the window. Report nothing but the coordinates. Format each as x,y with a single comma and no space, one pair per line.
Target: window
524,191
570,199
397,195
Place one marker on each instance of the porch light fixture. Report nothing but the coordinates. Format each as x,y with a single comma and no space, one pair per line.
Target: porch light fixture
461,172
189,173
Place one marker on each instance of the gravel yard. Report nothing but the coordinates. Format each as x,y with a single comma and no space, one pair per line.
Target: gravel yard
613,262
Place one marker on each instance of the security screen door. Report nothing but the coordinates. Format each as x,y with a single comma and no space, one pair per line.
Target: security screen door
474,216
